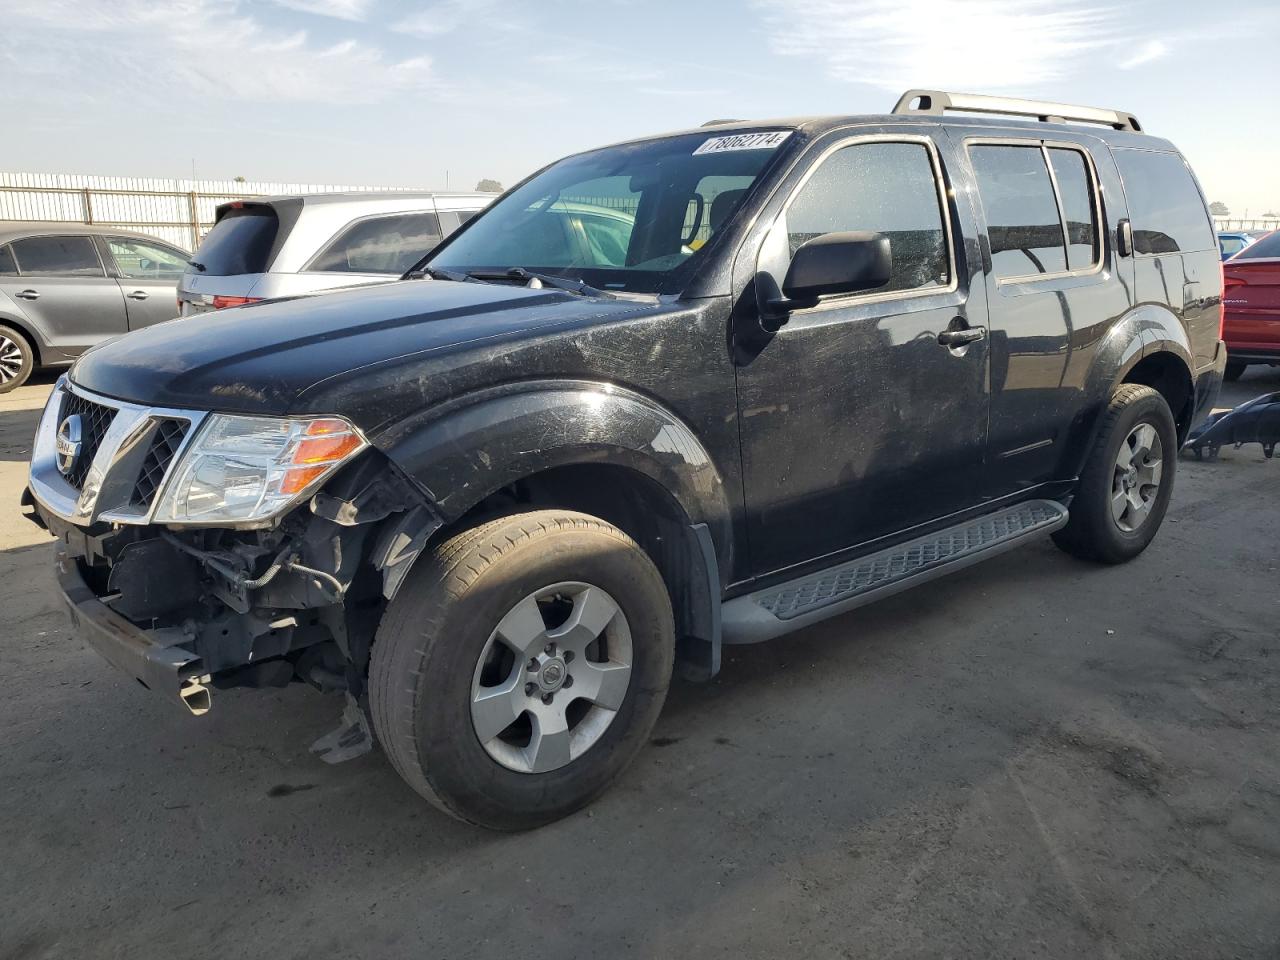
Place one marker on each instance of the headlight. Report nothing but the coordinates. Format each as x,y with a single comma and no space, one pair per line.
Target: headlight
241,469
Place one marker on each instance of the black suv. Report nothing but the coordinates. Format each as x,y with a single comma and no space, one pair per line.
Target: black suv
694,389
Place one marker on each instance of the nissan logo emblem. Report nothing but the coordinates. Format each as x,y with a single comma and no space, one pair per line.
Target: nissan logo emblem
68,444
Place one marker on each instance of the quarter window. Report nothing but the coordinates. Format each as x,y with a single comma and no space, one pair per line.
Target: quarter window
137,260
57,257
381,245
1022,212
1165,206
887,188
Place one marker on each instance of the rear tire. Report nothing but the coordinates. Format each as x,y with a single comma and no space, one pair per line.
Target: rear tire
1125,488
17,359
1234,369
550,630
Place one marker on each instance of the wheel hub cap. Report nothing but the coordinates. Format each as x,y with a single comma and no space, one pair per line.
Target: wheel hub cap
552,677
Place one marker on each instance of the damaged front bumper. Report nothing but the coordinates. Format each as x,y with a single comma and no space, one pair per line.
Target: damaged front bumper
155,658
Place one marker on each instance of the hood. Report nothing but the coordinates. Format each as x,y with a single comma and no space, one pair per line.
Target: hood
261,357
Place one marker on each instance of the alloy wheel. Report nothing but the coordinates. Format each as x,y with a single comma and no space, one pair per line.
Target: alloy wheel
1136,483
11,359
551,677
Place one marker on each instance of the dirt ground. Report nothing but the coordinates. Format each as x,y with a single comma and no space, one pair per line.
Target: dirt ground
1034,758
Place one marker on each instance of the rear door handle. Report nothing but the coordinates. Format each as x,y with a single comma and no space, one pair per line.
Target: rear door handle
29,294
137,295
959,338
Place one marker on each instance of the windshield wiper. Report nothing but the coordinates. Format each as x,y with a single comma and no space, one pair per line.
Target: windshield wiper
198,265
436,274
580,287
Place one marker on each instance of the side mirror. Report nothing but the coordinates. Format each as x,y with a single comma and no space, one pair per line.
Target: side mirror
835,263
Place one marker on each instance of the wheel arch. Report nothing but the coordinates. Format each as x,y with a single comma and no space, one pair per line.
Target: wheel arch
28,331
1148,346
595,448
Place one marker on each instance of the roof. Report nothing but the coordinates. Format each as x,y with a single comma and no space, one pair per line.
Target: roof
358,196
14,229
815,126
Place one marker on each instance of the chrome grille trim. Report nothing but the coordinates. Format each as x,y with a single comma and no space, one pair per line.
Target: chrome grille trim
112,476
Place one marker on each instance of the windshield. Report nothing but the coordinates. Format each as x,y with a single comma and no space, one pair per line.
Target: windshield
635,217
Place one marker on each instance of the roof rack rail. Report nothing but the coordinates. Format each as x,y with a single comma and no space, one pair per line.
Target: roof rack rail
934,102
717,123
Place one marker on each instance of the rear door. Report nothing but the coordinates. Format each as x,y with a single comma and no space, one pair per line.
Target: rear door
1051,290
65,292
148,273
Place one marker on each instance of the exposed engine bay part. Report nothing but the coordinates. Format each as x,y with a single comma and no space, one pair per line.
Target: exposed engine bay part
1257,421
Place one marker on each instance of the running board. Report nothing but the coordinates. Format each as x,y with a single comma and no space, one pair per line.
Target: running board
798,603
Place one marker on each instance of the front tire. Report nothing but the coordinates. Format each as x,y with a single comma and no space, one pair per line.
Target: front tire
1124,491
522,667
17,359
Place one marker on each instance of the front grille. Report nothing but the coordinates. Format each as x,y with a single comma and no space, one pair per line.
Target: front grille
168,438
94,421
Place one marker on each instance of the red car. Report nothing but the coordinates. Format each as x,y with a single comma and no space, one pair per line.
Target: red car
1251,305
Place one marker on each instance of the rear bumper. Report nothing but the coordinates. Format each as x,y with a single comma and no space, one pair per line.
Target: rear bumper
1255,353
152,657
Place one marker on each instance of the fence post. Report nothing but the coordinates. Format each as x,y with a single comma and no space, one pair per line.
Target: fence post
194,210
86,205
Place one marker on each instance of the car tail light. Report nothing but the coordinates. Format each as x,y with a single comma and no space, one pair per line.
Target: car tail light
220,302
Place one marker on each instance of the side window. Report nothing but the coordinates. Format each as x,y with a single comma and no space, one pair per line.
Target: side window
8,266
1165,207
1079,206
1021,210
888,188
57,257
381,245
138,260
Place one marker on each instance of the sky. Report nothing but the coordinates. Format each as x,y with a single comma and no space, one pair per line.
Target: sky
436,93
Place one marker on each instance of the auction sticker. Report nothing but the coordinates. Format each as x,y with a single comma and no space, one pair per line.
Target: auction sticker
769,140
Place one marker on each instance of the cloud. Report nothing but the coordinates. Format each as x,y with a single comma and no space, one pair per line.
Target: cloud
955,44
446,16
208,50
1149,51
338,9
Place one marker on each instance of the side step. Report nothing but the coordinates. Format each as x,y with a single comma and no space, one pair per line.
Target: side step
798,603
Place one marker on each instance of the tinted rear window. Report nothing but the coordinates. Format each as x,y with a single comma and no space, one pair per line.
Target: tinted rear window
1165,206
239,243
57,257
1266,248
381,245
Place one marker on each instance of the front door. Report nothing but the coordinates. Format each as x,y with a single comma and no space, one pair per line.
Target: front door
148,274
859,418
65,293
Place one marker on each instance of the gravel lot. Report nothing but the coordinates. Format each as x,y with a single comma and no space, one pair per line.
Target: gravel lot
1034,758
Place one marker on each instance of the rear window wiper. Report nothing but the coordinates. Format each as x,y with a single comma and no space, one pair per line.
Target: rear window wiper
198,265
580,287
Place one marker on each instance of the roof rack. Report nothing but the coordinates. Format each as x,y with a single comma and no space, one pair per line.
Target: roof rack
717,123
933,103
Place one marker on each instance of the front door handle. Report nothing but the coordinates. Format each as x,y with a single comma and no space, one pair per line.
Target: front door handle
137,295
962,337
29,295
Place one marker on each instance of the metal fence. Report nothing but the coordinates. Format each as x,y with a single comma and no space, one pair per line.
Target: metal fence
1246,223
178,211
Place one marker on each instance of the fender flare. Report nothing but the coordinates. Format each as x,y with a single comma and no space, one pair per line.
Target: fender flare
478,444
1145,330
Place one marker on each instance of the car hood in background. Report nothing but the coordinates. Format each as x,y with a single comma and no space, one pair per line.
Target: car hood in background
260,358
